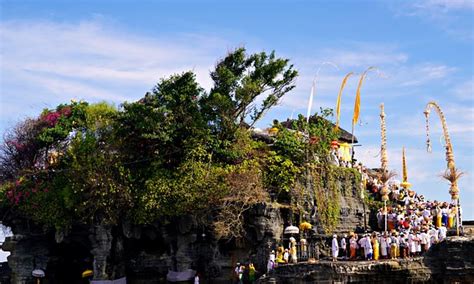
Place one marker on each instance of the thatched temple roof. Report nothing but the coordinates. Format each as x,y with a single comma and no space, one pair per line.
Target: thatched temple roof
344,135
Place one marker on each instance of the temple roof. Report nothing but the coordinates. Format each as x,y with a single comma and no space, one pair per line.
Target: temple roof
344,135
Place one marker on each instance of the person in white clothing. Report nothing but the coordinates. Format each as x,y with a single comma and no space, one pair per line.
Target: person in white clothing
344,247
196,279
334,248
412,244
286,256
425,241
433,235
368,248
362,245
442,233
383,246
418,244
353,247
271,262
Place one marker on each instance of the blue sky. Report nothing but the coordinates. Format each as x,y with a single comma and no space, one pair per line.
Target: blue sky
53,51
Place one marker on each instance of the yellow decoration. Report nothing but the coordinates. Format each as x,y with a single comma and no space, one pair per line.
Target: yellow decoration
405,184
305,226
87,273
338,103
355,118
273,131
345,152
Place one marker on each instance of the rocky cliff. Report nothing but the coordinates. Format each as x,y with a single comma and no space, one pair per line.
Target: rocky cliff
146,253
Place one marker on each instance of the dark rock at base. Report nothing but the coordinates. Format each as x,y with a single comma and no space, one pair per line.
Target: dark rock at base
5,272
451,261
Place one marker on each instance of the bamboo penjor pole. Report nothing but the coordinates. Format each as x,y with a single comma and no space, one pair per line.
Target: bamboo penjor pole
384,161
452,173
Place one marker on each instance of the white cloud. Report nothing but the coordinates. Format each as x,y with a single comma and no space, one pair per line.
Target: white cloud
465,90
450,16
423,74
445,5
395,76
89,58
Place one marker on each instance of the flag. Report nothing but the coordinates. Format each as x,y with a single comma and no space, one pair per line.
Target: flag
338,103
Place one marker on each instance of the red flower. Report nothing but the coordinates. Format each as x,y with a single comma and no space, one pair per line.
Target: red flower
51,118
66,111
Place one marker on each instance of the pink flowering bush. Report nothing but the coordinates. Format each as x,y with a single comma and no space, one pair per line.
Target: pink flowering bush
51,118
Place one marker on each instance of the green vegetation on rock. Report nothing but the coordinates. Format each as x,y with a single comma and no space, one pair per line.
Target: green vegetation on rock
179,150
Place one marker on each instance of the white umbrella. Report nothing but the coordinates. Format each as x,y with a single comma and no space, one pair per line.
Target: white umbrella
291,230
38,273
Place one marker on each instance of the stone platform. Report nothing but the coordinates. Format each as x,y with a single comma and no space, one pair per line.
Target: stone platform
451,261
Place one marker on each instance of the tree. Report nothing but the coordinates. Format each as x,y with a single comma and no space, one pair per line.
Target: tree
160,126
240,82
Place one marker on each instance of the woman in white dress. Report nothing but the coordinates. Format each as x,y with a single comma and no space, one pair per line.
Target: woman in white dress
334,248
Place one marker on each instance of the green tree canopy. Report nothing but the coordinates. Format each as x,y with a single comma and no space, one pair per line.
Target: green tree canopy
245,87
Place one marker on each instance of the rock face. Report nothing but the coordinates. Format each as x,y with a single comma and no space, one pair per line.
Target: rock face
144,254
451,261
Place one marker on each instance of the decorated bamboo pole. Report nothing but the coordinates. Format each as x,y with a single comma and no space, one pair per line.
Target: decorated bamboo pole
383,146
452,173
384,161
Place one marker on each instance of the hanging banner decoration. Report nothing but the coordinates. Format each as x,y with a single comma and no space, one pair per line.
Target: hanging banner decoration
338,103
313,88
355,118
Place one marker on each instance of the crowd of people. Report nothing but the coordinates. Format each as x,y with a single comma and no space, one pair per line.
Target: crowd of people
406,227
243,274
375,245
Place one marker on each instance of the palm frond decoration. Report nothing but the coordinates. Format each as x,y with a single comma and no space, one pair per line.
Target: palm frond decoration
452,175
384,176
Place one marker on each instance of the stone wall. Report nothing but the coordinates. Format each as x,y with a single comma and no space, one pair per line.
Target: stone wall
451,261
